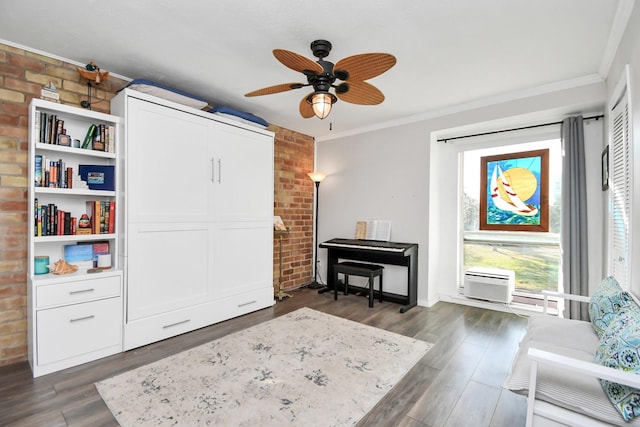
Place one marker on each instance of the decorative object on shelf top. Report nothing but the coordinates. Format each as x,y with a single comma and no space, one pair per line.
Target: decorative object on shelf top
50,93
92,73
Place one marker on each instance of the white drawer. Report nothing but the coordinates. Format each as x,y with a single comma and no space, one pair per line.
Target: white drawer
79,291
155,328
74,330
250,301
150,329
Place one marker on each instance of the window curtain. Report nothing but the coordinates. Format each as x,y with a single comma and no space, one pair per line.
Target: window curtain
573,239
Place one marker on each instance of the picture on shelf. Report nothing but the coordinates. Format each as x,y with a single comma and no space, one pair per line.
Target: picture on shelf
79,255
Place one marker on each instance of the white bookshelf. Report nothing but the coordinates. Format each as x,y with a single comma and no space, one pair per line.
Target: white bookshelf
73,318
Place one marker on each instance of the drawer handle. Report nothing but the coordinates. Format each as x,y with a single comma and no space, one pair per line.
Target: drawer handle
81,291
247,303
176,324
81,318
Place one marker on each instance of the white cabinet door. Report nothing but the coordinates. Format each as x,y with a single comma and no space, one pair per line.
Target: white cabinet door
243,188
168,268
244,261
169,172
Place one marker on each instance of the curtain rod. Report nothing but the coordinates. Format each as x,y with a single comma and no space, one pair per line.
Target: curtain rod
445,140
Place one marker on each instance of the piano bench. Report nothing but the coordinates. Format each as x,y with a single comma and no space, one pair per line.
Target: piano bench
349,268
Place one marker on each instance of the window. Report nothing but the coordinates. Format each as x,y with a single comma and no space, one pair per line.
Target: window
620,191
533,256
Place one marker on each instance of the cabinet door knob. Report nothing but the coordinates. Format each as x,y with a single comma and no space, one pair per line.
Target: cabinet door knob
219,171
213,173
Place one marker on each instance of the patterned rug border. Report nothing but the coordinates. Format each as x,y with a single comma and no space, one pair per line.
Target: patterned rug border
284,378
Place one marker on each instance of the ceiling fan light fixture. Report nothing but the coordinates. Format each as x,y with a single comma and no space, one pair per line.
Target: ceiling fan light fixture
321,103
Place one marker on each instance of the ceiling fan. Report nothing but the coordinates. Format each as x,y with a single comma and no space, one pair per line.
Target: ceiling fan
321,75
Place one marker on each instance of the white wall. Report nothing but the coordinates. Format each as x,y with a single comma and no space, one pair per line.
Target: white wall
629,53
402,174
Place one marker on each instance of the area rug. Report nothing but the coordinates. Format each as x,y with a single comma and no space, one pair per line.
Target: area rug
305,368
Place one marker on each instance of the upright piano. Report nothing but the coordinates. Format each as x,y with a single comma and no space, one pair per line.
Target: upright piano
375,251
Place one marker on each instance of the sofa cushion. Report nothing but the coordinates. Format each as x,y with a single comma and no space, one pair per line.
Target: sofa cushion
619,348
570,390
568,333
606,301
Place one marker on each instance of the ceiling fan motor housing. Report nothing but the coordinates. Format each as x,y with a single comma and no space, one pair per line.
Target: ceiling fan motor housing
320,48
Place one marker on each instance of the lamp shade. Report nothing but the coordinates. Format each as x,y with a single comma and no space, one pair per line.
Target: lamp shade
321,104
317,176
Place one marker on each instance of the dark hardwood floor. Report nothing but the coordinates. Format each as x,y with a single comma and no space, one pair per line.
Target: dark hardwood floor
457,383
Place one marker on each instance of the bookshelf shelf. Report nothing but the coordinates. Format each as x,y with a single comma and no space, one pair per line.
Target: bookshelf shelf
53,279
74,238
74,150
55,208
74,192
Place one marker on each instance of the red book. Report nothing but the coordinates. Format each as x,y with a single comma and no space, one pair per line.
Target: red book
60,223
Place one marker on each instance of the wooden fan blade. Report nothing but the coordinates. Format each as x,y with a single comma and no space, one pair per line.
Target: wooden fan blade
296,62
306,110
275,89
366,65
362,93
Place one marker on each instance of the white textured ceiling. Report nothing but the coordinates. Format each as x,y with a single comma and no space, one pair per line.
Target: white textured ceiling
448,52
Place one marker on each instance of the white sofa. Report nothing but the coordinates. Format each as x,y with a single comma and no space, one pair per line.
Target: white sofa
555,364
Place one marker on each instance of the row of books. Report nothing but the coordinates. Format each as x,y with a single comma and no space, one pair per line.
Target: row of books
49,127
52,221
52,173
50,130
103,216
100,137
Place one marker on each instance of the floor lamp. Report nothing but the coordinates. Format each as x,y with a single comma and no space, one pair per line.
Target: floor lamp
317,178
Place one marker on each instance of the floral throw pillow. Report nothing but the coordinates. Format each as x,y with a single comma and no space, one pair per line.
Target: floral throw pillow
604,304
620,349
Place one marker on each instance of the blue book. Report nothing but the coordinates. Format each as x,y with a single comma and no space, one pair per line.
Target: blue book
37,176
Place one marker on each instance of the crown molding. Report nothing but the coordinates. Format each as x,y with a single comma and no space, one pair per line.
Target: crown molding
472,105
59,58
620,21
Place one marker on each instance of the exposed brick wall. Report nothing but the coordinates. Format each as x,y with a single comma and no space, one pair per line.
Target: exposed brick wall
22,75
293,201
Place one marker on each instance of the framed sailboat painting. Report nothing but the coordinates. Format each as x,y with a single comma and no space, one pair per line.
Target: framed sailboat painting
514,190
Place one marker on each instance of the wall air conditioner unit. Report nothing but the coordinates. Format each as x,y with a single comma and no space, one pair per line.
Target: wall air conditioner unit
490,284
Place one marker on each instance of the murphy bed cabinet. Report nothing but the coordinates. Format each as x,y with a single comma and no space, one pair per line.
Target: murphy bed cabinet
198,217
72,318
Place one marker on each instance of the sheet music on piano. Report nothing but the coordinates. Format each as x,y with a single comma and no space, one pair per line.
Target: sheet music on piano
373,230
